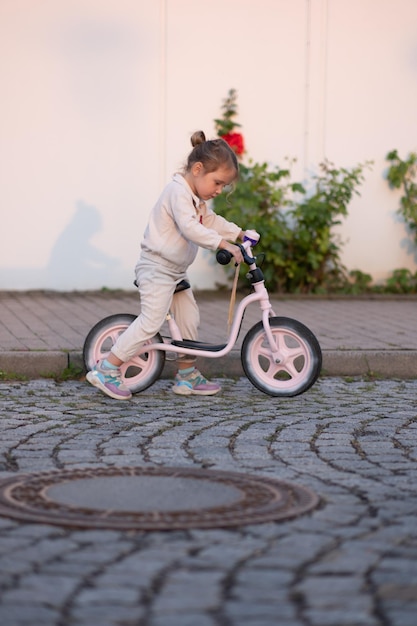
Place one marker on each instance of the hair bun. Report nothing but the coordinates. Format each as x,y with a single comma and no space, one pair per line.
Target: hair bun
197,138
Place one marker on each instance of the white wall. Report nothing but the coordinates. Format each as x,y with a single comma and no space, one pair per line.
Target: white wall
100,98
371,98
80,150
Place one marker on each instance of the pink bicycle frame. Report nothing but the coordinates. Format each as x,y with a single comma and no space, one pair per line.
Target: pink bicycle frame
260,295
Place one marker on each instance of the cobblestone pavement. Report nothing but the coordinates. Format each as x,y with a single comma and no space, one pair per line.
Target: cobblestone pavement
351,562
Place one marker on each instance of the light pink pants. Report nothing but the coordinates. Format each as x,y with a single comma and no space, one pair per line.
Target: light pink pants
156,287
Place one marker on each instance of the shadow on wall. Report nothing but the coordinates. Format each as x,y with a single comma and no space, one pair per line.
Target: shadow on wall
74,257
75,262
408,244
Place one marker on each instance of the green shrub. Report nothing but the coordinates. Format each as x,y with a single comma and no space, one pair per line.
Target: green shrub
296,224
403,174
359,282
401,281
313,257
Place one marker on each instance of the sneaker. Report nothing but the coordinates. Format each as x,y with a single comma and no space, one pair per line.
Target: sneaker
109,381
194,384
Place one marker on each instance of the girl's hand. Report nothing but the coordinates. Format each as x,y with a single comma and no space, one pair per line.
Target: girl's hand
237,254
234,250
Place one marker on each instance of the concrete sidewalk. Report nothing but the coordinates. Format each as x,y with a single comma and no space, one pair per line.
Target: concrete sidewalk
42,333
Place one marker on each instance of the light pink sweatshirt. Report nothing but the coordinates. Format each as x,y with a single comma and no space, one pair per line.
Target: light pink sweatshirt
178,225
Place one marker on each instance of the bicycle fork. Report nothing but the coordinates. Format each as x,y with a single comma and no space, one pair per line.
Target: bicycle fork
267,312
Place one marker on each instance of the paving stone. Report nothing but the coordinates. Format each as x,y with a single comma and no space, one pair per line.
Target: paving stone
349,441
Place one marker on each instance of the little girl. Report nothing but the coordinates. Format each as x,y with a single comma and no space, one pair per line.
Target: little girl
179,223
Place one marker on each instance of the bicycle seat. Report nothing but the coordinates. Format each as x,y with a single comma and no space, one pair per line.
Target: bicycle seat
181,286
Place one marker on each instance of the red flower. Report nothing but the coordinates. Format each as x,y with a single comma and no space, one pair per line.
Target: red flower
235,141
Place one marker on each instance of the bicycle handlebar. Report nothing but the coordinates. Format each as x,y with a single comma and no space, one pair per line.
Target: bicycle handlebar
224,256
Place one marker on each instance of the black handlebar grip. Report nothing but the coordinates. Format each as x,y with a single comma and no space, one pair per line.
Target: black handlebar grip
223,257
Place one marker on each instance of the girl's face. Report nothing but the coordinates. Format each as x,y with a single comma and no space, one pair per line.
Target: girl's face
207,185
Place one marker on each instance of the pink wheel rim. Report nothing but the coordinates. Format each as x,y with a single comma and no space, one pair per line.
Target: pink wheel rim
132,371
295,360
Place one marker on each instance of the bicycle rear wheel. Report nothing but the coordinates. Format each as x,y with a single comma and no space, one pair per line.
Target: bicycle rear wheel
141,371
300,359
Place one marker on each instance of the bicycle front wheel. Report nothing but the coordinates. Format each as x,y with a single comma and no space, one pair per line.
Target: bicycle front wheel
141,371
299,362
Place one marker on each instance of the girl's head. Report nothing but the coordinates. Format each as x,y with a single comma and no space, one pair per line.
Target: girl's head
211,166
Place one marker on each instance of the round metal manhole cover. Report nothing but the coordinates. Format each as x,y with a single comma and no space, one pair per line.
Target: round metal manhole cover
151,498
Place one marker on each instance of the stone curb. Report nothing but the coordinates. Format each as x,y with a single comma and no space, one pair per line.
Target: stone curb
380,363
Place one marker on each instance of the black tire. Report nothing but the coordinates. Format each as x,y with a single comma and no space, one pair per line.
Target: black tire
140,372
300,359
